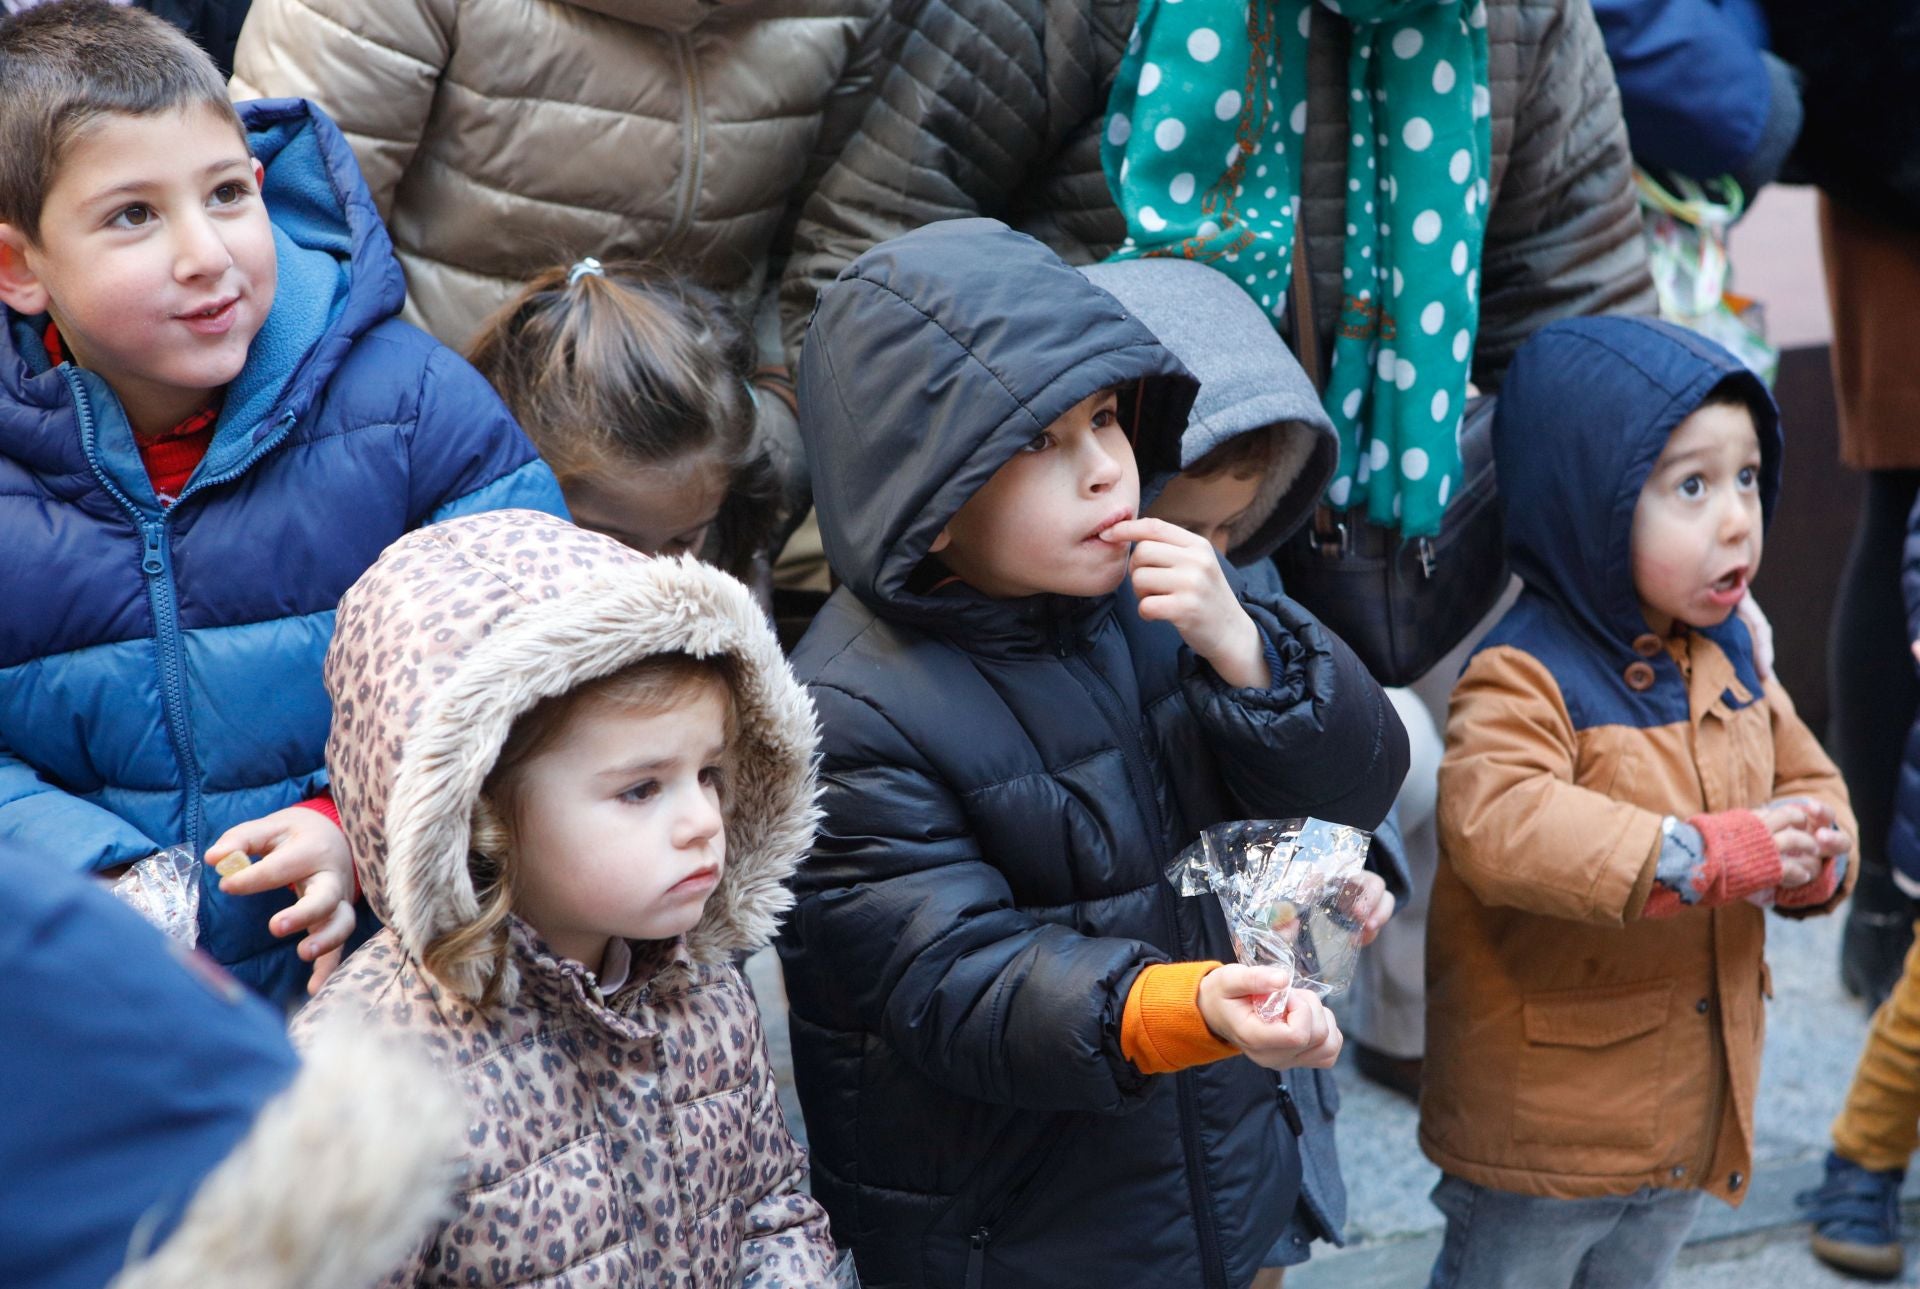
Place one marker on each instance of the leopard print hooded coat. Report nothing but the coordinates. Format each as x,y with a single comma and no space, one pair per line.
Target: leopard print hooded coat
627,1140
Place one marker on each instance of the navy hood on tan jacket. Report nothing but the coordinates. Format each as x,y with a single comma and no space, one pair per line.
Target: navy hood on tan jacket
1586,410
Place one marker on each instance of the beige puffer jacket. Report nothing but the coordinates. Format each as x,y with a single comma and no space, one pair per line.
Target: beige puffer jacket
501,136
628,1140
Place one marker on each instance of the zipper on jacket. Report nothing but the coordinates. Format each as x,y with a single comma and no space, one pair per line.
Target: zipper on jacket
268,442
693,144
1288,1109
1132,752
983,1235
156,562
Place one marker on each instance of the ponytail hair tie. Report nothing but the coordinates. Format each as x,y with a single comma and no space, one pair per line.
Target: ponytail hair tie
583,268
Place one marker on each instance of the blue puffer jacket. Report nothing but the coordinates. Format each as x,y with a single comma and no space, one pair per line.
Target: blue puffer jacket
160,669
1701,95
1004,783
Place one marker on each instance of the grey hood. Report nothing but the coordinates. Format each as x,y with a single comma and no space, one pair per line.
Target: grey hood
1248,379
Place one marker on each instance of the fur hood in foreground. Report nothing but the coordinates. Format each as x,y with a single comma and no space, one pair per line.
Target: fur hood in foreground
340,1175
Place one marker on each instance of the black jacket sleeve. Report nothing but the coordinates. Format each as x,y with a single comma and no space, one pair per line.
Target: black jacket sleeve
1323,740
904,928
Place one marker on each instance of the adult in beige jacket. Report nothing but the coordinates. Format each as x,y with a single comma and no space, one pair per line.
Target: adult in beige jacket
501,136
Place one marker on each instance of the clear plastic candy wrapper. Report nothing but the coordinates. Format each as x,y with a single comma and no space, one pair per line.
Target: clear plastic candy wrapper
164,888
1291,893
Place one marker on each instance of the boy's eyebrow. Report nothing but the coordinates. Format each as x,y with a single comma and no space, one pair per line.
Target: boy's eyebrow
134,187
1679,458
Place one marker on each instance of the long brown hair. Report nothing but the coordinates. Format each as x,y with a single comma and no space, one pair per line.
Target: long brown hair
627,365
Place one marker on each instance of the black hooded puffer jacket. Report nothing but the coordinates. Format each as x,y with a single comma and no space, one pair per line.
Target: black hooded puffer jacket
1005,782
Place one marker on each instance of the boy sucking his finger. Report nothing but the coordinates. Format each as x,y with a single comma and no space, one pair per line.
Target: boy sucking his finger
1019,1055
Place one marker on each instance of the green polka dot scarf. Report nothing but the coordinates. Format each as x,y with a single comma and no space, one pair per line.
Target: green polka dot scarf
1204,136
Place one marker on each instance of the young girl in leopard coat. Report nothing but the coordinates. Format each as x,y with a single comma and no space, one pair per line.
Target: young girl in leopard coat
575,779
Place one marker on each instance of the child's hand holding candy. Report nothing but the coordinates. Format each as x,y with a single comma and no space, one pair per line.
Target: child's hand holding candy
303,849
1306,1034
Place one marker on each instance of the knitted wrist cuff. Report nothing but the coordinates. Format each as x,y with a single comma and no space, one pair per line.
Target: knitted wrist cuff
1161,1028
323,805
1741,855
1814,893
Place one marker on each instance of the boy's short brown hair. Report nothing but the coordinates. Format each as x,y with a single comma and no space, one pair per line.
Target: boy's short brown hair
65,65
1244,456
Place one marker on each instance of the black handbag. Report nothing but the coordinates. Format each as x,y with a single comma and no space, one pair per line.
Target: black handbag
1400,603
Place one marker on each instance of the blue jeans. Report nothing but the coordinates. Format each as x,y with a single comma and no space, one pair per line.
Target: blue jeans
1500,1240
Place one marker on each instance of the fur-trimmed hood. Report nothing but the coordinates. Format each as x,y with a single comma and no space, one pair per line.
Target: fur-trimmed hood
461,627
165,1136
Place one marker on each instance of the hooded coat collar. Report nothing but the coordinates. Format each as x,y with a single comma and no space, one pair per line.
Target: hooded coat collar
1584,413
458,629
932,360
1249,380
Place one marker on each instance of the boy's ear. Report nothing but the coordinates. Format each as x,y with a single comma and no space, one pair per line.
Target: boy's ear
941,542
20,287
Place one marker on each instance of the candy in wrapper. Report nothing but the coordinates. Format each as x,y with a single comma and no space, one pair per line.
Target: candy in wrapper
1291,894
164,888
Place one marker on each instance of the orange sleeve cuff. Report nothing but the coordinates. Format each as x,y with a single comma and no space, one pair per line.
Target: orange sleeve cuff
1161,1029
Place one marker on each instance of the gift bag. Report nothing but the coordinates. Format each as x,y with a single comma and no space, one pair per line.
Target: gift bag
1686,230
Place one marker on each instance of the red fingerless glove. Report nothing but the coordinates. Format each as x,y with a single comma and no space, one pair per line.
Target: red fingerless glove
1738,857
1814,893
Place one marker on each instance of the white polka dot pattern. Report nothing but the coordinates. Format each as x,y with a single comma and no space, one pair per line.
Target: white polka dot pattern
1205,80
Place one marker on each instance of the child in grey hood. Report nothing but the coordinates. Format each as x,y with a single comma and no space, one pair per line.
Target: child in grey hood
1257,453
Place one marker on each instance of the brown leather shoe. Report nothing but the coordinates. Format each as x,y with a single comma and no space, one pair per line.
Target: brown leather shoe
1394,1073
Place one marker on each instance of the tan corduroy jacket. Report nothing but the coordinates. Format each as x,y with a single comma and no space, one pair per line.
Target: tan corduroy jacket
1574,1047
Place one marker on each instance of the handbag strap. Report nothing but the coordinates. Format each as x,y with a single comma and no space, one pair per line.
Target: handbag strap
1305,329
1328,530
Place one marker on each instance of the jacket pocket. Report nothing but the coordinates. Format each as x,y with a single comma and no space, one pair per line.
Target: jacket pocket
991,1208
1593,1066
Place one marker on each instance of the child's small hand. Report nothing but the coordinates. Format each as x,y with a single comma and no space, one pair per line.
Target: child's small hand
1805,832
303,849
1177,579
1306,1034
1371,903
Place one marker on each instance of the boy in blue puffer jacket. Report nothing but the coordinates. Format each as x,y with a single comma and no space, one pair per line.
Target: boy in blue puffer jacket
211,422
1019,1056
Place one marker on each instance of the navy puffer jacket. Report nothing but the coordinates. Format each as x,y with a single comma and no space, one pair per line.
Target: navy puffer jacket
160,667
1005,782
